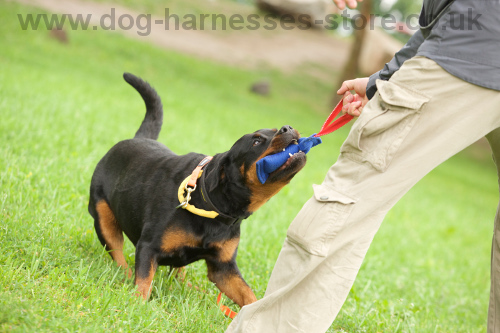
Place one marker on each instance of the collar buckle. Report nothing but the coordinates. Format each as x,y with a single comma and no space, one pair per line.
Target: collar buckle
187,198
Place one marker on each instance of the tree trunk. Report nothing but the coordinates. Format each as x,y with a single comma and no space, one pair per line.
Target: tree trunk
351,68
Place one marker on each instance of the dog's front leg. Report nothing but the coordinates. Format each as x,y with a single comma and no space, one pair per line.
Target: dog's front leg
145,269
228,279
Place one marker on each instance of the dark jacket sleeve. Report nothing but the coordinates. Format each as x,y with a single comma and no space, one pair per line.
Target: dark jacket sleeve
408,51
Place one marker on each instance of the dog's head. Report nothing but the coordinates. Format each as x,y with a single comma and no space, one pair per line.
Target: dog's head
239,166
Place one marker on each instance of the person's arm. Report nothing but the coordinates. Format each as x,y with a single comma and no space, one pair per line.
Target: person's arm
408,51
365,88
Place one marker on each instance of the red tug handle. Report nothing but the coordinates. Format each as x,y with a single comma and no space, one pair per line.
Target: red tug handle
329,126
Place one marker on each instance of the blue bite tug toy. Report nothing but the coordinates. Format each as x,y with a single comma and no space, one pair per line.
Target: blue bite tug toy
271,163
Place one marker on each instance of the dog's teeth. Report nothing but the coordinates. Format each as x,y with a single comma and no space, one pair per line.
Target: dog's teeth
290,154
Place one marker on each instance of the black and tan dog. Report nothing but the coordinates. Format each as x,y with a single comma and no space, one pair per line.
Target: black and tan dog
138,185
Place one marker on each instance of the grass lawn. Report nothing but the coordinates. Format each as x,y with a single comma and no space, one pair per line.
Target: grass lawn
63,106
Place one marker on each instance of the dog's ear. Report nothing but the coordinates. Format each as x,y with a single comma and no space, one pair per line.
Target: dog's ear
217,172
224,172
229,177
230,171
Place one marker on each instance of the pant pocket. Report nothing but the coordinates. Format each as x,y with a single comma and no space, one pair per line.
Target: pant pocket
383,125
320,219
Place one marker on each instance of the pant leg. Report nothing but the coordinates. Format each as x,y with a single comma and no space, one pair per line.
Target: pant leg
417,120
494,308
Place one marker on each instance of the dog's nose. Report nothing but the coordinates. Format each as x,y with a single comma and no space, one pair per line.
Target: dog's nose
285,129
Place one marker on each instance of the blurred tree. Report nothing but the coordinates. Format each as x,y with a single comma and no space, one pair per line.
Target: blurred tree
351,69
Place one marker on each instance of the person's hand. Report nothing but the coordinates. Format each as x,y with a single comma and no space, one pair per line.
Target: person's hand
353,104
350,3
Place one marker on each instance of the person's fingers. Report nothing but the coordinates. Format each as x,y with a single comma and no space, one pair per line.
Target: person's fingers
346,86
342,89
346,101
353,106
355,113
348,98
352,3
345,109
353,109
359,110
348,108
340,3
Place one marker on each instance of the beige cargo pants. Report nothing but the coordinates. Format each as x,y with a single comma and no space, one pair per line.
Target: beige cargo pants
416,121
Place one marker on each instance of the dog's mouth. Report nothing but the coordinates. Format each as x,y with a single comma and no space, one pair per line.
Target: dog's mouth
290,168
293,159
292,165
291,142
283,144
282,159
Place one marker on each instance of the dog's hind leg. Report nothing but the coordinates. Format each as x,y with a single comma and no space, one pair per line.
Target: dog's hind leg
227,278
110,234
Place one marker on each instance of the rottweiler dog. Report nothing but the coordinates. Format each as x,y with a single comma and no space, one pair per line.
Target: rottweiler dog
137,189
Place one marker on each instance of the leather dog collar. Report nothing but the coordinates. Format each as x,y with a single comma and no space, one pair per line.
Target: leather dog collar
221,217
190,184
196,172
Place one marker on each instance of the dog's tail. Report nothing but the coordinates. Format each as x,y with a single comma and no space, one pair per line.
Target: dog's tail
151,125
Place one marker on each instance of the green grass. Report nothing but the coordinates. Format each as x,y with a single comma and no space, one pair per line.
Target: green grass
63,106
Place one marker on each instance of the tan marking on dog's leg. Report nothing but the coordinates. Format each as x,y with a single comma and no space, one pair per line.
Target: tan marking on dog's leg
227,249
144,284
232,285
112,234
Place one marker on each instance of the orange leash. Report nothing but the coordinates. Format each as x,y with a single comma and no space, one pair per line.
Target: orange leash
226,310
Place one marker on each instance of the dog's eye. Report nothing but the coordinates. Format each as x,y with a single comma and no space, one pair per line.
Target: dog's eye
256,142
